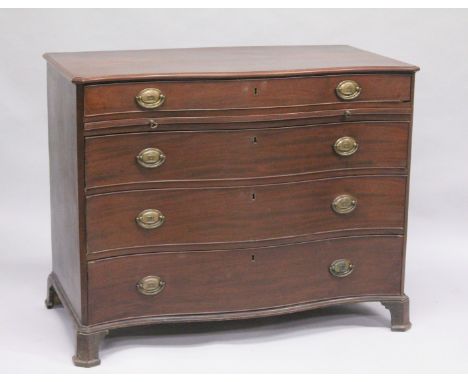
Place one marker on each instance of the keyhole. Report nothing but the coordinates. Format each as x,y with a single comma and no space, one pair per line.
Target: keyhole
255,92
253,258
253,196
254,140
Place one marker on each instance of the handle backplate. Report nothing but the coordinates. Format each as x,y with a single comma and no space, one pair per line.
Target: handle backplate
344,204
150,285
345,146
341,268
348,90
151,158
150,98
150,219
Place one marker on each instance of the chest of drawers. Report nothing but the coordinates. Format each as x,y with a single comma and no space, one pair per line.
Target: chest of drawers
226,183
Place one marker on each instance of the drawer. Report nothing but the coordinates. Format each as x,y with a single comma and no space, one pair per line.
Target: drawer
239,280
229,215
170,96
241,154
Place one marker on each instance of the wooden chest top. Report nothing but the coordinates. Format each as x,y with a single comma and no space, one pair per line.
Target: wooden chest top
232,62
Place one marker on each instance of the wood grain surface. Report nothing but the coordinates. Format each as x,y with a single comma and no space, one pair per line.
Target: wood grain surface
230,214
66,175
239,280
243,154
210,95
225,62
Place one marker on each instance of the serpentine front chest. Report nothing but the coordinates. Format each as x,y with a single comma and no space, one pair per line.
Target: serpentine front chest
226,183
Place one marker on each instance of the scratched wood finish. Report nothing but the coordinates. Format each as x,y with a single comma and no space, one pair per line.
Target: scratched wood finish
199,216
252,153
243,94
225,281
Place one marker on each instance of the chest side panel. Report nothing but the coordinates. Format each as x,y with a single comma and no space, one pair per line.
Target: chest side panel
66,189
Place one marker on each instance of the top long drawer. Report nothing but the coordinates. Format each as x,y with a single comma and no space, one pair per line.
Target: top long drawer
172,96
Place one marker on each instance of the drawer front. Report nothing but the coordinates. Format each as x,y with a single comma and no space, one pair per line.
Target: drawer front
240,280
230,215
166,96
242,154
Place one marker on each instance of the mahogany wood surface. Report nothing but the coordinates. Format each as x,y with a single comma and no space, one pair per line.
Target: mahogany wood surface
222,62
221,120
246,188
240,154
237,280
210,95
257,213
65,174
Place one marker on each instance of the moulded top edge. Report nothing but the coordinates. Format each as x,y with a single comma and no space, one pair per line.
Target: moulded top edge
220,63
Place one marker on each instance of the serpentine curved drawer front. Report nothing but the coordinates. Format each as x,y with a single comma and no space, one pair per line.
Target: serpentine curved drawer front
102,100
239,154
257,213
204,282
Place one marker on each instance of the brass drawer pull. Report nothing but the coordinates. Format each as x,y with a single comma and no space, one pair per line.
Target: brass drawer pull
341,268
150,219
150,98
151,285
348,90
345,146
344,204
151,158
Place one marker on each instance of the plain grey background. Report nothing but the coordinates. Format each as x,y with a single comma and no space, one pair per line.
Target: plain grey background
354,338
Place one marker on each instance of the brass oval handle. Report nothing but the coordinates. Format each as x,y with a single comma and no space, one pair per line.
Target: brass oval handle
150,219
151,285
341,268
344,204
150,98
348,90
345,146
151,158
